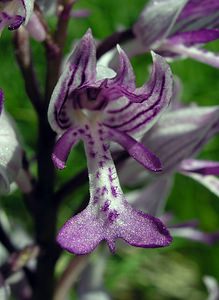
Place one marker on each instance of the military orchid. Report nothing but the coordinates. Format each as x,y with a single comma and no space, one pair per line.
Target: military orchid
94,104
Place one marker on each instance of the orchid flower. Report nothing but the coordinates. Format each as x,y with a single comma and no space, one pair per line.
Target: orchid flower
93,104
179,28
177,138
14,13
11,153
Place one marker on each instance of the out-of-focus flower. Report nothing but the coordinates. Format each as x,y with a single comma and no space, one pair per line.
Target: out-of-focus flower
11,152
14,13
177,138
36,28
93,104
179,28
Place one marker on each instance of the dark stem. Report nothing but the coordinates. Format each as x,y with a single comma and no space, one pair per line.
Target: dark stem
45,214
116,38
46,209
54,59
25,63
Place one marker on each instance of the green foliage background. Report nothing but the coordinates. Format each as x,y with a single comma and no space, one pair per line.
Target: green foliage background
172,273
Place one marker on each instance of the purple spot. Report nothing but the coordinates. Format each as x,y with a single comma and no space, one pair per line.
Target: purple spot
86,127
100,131
105,147
95,199
114,191
105,157
97,191
113,215
92,154
112,175
97,174
104,190
75,133
106,205
81,130
101,164
91,142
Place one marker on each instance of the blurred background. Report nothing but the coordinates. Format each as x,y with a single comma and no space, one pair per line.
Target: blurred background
171,273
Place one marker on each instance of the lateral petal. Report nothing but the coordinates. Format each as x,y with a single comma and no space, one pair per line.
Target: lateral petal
141,108
63,147
203,167
79,70
137,150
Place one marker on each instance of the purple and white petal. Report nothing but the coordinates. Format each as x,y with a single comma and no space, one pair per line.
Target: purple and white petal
198,14
63,147
79,71
194,37
135,149
142,107
203,167
181,134
195,235
156,21
177,136
108,215
196,53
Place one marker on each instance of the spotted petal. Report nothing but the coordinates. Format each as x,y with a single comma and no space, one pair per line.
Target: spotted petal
108,215
85,231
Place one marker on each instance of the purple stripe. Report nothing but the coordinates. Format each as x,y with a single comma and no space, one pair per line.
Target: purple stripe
142,112
130,103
